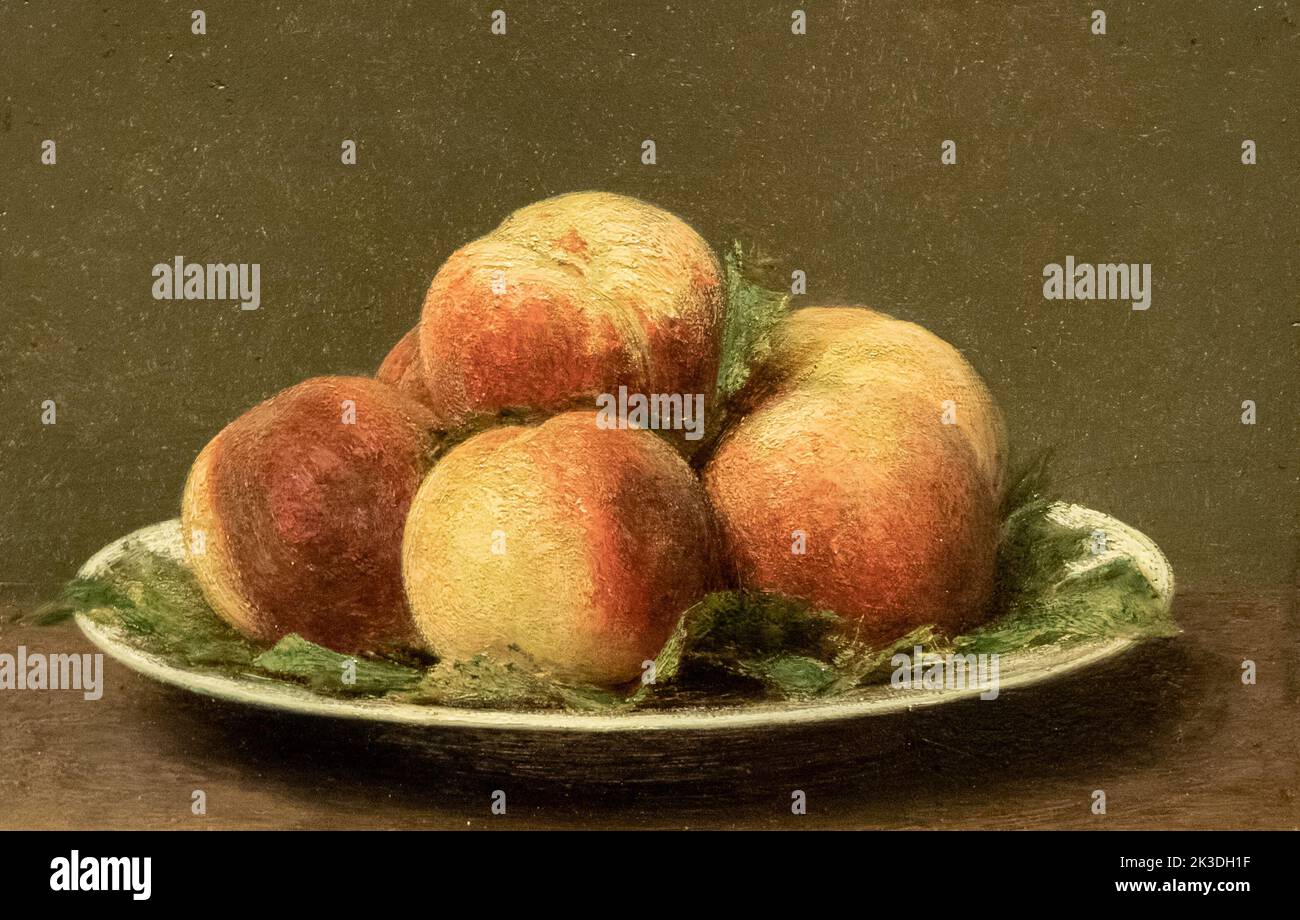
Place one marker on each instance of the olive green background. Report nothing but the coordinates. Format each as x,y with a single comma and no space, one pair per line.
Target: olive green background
821,150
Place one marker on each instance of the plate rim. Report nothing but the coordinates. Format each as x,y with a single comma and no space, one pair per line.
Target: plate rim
1027,668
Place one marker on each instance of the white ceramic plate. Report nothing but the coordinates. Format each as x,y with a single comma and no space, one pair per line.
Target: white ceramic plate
1021,669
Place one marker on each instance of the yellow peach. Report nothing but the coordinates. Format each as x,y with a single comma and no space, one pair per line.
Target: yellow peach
577,545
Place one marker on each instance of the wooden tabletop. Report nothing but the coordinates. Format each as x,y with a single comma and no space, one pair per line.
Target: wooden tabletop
1169,732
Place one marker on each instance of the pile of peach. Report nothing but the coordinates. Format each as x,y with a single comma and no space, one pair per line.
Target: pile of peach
467,500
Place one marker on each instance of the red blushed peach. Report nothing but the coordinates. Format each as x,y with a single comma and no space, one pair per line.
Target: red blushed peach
864,474
578,545
505,329
840,350
402,369
293,514
859,506
570,298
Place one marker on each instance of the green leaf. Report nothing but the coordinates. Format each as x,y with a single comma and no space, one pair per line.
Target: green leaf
326,670
1111,600
1050,592
792,676
864,666
752,312
513,681
750,643
157,601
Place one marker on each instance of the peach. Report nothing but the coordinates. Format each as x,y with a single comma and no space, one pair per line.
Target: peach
854,348
842,485
570,298
580,546
293,514
402,370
